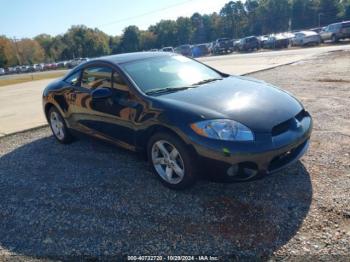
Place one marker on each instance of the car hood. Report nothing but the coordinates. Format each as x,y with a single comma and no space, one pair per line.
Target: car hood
256,104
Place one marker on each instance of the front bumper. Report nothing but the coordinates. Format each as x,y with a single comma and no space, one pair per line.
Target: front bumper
267,154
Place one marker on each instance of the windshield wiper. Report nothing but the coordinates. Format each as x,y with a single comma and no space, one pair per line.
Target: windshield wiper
206,81
166,90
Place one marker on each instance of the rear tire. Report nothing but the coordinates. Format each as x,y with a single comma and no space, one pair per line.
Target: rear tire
334,39
58,126
171,161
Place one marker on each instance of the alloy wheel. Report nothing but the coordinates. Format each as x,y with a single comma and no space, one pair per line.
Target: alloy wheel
168,162
57,125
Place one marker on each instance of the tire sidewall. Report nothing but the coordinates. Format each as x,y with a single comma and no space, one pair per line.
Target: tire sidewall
188,160
67,137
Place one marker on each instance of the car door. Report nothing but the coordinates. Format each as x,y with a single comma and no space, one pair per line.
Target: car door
328,33
105,106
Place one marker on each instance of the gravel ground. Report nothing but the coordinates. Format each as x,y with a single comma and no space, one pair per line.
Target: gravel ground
94,200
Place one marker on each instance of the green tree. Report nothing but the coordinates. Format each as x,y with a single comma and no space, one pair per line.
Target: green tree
147,40
199,34
184,30
130,41
30,51
274,15
253,20
81,41
234,19
45,42
114,44
166,33
344,10
304,14
58,50
7,52
328,11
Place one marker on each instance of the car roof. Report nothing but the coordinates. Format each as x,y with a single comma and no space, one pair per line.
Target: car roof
308,32
129,57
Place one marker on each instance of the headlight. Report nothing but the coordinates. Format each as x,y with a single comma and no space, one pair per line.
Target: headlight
223,129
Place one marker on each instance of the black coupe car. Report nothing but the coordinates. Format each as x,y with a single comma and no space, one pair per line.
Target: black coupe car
184,115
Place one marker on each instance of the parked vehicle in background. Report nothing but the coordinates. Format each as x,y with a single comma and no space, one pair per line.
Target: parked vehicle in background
77,61
200,50
263,39
276,42
168,49
30,68
335,32
249,43
185,50
289,36
316,29
222,45
48,66
62,64
11,70
232,44
236,45
305,38
210,47
38,67
24,69
2,71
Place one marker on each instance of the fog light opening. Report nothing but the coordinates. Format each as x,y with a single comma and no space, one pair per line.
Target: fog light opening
233,171
242,171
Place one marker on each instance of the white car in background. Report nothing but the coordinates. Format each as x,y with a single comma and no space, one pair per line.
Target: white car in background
2,71
304,38
168,49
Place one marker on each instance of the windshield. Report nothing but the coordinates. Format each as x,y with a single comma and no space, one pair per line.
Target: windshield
168,72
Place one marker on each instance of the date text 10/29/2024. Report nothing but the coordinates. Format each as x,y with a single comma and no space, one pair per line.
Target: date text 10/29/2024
172,258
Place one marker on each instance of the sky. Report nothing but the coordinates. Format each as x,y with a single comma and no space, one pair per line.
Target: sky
28,18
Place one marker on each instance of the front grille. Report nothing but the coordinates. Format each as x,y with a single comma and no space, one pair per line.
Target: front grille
301,115
285,157
289,124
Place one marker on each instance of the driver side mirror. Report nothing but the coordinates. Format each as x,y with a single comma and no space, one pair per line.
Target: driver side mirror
101,93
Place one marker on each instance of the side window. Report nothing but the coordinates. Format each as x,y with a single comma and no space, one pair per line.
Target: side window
95,77
73,79
119,83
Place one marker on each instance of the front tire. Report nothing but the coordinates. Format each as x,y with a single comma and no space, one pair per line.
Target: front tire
171,161
58,126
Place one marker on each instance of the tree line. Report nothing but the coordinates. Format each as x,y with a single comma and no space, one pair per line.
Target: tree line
235,20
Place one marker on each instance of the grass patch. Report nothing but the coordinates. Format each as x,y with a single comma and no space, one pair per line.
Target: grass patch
16,79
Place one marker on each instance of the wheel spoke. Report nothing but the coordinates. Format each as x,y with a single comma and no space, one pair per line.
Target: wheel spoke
159,161
178,170
169,173
167,161
173,154
162,149
57,125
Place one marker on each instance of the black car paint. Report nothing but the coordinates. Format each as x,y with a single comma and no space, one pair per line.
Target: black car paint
129,119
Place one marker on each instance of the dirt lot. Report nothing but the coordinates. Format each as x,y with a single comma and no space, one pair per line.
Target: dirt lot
92,199
323,85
